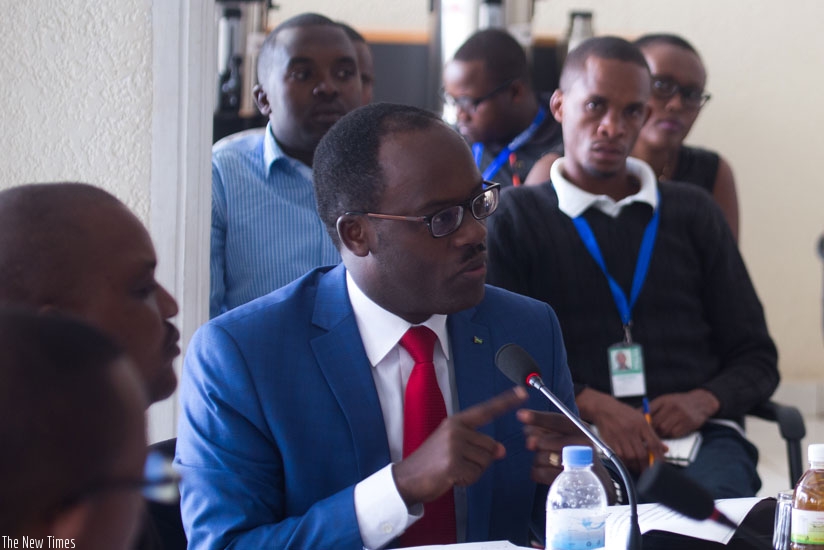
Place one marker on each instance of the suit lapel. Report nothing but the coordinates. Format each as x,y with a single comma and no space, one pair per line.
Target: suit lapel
342,359
474,377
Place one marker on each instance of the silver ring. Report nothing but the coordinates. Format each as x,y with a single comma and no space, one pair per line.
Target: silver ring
554,459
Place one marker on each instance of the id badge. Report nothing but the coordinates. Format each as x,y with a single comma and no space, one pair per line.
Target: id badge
626,368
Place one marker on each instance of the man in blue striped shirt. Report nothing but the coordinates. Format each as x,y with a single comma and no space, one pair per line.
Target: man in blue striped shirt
265,228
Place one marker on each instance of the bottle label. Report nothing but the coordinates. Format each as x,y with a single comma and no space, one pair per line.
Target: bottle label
572,529
807,527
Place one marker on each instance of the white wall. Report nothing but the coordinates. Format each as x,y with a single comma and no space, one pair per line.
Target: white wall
77,94
395,15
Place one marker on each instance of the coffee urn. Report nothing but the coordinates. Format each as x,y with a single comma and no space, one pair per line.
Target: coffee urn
241,30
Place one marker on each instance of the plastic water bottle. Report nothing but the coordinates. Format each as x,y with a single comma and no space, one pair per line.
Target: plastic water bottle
807,522
576,507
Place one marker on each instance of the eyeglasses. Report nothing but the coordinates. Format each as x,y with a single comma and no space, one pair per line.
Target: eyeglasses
448,220
161,482
470,104
665,88
158,484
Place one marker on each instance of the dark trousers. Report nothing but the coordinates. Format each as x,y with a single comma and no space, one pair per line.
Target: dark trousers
726,463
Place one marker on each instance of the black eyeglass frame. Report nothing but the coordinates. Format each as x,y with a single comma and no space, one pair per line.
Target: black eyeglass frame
691,97
470,104
492,186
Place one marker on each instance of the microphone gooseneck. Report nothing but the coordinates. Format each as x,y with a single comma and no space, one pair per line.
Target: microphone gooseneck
520,367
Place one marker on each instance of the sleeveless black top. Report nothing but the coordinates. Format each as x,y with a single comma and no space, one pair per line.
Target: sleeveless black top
697,166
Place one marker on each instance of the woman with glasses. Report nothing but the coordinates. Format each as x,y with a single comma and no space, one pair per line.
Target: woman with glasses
678,79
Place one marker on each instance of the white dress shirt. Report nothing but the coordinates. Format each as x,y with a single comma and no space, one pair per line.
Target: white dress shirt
381,512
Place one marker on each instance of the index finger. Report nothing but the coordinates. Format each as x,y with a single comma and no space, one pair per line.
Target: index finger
484,413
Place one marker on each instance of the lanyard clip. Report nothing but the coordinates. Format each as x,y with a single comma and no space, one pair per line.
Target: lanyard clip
627,333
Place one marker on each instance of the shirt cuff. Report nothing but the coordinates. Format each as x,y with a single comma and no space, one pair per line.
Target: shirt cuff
382,515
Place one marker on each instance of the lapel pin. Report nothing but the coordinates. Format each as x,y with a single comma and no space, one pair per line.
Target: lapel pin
476,340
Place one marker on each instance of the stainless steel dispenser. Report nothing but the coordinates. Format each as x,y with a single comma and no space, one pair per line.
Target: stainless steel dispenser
241,30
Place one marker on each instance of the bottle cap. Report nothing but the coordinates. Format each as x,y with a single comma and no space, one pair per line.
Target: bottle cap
579,455
815,452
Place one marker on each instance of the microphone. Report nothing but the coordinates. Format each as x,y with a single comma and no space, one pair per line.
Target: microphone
664,483
520,367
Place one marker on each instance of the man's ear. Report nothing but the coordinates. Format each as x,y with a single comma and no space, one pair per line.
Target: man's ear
556,105
355,234
261,100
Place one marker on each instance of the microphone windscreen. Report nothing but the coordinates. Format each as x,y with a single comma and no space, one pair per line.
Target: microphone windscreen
664,483
516,363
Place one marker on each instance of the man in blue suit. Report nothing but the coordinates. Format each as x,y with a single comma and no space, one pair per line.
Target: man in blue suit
291,431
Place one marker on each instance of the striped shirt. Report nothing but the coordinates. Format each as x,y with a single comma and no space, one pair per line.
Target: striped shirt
265,228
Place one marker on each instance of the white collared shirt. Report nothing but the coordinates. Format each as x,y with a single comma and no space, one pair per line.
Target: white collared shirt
380,510
574,201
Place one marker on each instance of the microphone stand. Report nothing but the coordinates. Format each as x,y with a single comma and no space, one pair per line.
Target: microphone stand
634,536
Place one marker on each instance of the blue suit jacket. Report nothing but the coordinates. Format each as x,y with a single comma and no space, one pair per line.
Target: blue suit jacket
280,417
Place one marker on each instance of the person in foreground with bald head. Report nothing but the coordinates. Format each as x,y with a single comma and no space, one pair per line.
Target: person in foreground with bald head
71,417
74,248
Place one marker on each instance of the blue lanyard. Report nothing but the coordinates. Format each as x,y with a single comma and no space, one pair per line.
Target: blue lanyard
641,267
514,145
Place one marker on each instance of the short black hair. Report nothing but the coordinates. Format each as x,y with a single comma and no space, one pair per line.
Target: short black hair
61,415
353,35
346,172
301,20
602,47
664,38
502,55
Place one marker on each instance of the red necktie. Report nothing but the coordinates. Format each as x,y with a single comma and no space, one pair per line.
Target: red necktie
423,411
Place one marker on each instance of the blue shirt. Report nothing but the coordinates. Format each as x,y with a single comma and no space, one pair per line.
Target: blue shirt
266,231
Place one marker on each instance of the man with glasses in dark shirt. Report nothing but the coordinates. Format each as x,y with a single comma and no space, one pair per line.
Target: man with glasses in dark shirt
488,84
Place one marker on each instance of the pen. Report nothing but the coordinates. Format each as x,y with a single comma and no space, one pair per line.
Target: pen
649,421
513,161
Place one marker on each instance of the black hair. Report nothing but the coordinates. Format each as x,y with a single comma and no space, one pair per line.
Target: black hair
664,38
353,35
346,172
602,47
301,20
62,415
502,55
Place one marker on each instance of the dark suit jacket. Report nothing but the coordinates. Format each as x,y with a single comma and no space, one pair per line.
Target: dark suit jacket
280,417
